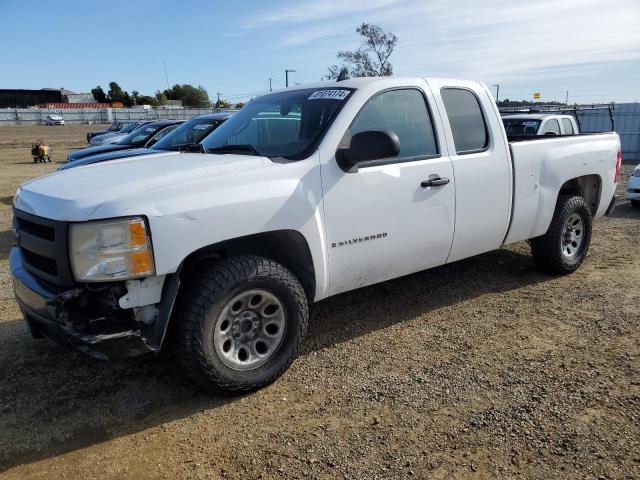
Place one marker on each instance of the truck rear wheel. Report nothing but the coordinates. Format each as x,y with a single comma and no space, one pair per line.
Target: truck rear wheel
635,203
565,245
240,324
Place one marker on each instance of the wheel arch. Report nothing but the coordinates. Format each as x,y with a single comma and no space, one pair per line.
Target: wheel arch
287,247
588,187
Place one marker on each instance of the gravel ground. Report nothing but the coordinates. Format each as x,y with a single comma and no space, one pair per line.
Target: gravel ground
483,368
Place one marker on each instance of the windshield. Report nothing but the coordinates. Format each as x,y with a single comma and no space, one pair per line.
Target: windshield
190,132
287,124
521,126
161,134
130,127
140,135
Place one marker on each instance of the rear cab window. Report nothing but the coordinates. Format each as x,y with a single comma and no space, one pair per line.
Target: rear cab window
567,126
519,126
468,125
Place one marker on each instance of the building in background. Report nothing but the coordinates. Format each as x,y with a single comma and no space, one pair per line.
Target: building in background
20,98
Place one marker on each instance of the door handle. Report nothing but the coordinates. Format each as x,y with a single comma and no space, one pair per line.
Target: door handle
435,181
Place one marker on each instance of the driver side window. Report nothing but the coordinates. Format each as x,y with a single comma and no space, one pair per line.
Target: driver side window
405,112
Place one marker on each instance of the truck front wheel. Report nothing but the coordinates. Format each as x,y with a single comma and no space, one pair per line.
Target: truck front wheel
564,247
240,323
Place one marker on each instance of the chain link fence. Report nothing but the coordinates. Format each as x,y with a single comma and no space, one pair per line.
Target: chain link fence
37,116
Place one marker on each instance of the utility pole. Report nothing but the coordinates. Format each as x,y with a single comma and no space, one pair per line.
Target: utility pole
497,93
166,77
270,89
286,77
566,99
218,102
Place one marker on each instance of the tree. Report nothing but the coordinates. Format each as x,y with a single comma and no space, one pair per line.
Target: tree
239,105
161,98
145,100
371,59
222,104
190,95
134,97
116,94
99,95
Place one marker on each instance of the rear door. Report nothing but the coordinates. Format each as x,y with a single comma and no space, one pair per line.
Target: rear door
481,166
381,222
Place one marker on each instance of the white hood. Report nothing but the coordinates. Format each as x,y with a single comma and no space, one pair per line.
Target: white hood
77,193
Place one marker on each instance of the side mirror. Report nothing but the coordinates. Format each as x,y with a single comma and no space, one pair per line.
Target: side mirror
366,146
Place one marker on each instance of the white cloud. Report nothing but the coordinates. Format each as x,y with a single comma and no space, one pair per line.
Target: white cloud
314,11
493,39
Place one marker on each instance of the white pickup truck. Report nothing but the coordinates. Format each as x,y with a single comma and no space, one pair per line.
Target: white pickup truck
303,194
539,124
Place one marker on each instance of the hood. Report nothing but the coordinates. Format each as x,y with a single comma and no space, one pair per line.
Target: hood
102,153
85,152
77,193
116,137
106,136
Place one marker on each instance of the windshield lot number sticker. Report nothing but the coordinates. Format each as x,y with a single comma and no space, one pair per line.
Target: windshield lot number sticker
329,95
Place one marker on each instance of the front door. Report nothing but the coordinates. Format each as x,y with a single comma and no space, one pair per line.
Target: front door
381,222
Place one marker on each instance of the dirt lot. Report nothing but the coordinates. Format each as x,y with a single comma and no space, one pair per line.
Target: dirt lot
482,368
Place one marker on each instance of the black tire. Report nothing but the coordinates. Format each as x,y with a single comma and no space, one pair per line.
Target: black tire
547,250
204,298
635,203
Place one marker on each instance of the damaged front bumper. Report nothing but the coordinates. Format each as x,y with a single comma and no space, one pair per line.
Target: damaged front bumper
89,320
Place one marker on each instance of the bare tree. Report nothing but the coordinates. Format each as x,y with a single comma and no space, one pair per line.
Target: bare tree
371,59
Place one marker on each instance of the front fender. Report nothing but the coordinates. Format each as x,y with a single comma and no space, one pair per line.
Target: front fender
278,197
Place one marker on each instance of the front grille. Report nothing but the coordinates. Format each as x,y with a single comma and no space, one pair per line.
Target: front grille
43,264
42,231
634,190
43,244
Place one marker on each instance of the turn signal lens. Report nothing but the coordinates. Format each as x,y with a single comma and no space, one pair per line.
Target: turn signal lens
141,263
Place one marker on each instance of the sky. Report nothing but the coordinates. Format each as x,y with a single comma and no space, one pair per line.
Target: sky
588,48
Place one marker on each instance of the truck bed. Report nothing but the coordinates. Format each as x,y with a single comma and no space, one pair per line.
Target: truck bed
543,164
526,138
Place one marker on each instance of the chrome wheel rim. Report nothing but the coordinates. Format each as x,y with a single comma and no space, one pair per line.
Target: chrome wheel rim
249,329
572,236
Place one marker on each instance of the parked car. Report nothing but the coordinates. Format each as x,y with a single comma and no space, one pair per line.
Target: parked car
378,178
539,124
192,132
633,189
115,137
114,127
141,137
174,137
54,120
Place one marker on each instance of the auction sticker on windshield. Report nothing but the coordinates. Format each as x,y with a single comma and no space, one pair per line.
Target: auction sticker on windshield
329,95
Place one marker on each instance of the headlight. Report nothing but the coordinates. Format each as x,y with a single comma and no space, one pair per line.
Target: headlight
636,171
110,250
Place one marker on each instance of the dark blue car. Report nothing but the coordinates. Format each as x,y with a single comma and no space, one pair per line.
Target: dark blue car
114,127
140,137
180,137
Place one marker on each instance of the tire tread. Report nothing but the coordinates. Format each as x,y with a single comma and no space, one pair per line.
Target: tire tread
210,283
546,254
